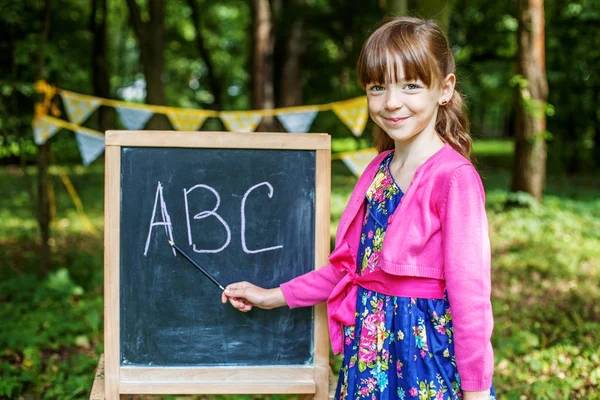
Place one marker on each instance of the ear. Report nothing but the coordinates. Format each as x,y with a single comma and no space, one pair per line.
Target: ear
447,89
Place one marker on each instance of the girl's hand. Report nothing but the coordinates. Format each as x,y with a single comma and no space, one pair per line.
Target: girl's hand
244,295
483,395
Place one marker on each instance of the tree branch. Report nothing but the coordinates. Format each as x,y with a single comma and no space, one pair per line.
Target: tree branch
136,20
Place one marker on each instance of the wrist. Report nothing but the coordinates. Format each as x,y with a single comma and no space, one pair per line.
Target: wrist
479,395
275,298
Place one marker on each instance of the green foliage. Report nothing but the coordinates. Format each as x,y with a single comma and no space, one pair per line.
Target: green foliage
482,36
483,39
50,348
485,47
570,26
55,327
536,108
545,265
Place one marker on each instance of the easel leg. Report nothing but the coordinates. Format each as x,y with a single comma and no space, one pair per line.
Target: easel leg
97,392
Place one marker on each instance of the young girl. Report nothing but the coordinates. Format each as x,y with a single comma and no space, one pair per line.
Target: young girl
408,284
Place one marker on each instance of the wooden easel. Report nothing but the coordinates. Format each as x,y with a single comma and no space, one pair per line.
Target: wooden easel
98,387
117,380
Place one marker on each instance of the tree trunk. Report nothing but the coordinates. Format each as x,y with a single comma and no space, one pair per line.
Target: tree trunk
100,76
262,61
151,40
44,157
529,169
433,9
596,150
290,76
213,82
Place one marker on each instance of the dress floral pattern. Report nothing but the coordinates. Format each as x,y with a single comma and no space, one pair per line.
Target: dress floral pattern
400,347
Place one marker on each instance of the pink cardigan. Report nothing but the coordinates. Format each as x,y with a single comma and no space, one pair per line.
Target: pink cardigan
441,232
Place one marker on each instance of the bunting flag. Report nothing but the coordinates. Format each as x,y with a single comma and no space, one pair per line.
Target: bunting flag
240,121
91,145
79,107
133,118
43,129
357,161
353,113
298,121
187,120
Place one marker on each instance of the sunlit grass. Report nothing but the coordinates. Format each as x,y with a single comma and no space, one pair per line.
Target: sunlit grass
493,148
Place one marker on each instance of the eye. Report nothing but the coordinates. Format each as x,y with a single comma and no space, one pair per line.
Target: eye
376,88
412,86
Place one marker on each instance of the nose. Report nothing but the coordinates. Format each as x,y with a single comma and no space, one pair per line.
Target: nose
393,100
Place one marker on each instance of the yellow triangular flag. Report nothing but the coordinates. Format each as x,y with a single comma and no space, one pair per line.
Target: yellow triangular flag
240,121
43,129
78,106
353,113
357,161
187,120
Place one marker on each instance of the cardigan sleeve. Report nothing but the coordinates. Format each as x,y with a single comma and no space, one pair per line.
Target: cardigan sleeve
312,288
467,259
315,287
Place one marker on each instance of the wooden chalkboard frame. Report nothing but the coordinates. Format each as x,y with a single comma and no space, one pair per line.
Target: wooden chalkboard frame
309,380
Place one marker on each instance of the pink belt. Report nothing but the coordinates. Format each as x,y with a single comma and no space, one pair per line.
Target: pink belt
341,304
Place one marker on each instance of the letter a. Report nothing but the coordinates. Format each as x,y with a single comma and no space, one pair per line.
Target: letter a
166,220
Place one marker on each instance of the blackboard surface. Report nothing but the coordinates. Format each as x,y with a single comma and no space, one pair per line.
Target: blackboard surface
242,215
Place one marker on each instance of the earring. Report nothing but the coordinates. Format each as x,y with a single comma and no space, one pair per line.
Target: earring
444,102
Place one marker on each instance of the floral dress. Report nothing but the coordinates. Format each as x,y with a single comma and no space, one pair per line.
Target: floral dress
400,347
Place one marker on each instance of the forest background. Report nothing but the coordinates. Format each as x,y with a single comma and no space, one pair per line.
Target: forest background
241,55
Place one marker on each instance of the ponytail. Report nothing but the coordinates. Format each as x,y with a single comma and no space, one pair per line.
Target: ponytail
453,125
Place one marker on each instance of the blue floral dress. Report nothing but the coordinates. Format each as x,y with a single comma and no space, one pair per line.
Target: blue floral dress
400,347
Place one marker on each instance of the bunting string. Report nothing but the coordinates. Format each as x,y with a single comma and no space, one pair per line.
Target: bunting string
352,112
78,204
134,116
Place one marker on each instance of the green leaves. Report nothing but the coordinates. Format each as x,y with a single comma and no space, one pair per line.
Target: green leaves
545,260
54,329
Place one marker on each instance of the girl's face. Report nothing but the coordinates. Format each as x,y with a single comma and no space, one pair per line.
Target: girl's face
405,109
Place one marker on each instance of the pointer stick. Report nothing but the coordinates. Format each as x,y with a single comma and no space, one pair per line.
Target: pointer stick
209,276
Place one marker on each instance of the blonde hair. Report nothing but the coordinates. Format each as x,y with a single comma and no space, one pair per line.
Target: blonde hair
423,49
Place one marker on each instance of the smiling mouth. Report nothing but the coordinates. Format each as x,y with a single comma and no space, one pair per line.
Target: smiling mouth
399,119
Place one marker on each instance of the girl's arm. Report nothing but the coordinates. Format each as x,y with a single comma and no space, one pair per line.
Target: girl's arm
311,288
467,259
306,290
244,295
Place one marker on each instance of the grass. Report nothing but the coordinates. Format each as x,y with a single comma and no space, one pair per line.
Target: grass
546,262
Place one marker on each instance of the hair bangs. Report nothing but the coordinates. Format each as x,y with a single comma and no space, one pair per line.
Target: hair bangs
394,50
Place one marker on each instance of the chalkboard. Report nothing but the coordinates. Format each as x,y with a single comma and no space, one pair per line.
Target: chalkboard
171,314
251,207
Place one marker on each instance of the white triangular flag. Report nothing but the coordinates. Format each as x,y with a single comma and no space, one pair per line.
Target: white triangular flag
91,146
297,121
79,107
133,118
